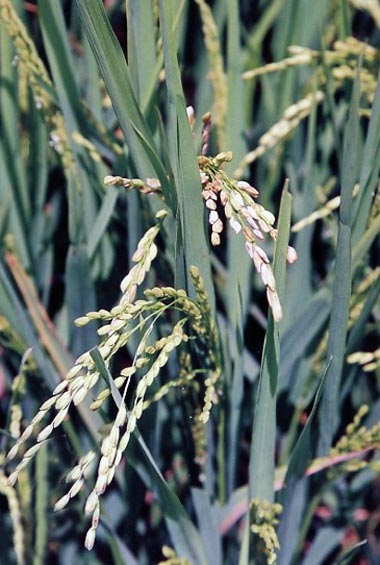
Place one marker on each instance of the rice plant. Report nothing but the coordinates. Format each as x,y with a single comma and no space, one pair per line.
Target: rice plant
189,282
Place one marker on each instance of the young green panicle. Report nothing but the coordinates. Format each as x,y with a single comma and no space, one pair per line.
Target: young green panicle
263,521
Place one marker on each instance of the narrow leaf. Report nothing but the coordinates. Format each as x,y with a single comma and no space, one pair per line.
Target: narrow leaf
261,464
115,73
261,472
329,414
184,164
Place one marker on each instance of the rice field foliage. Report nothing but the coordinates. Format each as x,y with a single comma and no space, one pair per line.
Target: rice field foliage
189,282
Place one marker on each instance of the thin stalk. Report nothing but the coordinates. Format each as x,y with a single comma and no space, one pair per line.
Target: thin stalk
41,502
221,457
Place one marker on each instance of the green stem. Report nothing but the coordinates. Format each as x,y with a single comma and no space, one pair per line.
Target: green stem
41,505
221,457
344,12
